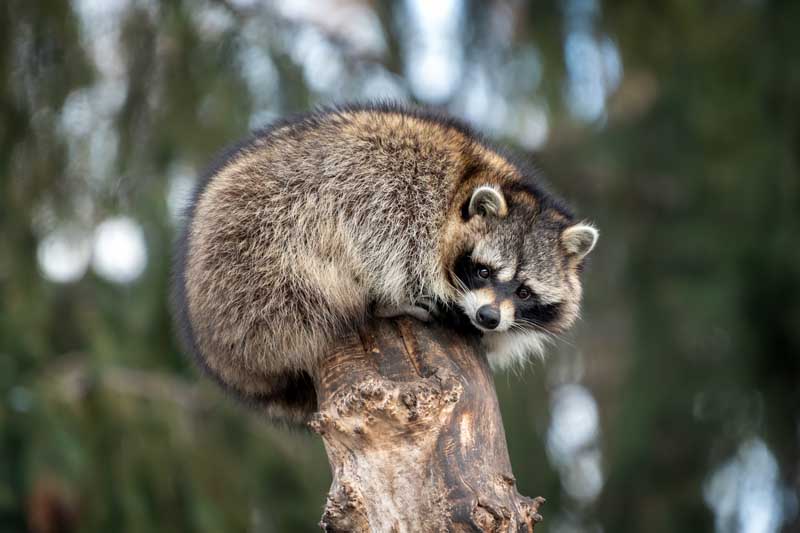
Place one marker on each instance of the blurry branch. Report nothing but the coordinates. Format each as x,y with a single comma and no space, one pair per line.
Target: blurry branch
76,380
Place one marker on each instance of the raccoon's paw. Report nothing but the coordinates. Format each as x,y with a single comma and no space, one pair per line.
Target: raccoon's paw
420,313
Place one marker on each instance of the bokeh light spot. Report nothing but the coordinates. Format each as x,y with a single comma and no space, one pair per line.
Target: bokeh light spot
120,252
63,255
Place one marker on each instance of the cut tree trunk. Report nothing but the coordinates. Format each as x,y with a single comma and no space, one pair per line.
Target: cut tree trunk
412,428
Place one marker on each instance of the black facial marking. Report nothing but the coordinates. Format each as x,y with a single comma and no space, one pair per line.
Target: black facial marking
466,270
539,313
530,309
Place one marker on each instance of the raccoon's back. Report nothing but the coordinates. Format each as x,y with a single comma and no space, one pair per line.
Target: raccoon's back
294,232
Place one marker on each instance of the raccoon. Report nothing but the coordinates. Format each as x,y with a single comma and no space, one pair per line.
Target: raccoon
298,235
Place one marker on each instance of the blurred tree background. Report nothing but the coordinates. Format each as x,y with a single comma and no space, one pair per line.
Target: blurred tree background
674,125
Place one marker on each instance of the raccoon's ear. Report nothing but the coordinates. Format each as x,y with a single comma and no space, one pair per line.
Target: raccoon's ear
579,239
488,201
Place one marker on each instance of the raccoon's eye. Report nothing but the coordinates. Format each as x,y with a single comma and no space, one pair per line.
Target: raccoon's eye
483,272
523,293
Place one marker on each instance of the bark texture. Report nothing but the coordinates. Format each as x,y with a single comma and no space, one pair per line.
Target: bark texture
412,428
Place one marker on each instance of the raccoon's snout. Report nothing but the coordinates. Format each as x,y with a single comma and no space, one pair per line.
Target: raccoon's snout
488,316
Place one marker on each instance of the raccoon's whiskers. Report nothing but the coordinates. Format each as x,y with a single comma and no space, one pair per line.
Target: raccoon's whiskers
461,288
549,335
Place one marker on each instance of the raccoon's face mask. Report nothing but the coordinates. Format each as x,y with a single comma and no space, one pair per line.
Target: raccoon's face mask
523,271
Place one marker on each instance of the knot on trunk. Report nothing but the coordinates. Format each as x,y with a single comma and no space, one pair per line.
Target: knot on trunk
344,511
378,405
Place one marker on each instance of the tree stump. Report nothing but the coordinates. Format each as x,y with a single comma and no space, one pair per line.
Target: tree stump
412,428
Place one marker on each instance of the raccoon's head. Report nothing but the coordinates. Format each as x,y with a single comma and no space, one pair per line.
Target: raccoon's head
521,277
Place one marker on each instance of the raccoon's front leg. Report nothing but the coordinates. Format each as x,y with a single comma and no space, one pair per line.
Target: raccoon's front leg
420,313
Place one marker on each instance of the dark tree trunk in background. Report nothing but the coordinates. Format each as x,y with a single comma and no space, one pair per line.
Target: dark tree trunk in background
412,428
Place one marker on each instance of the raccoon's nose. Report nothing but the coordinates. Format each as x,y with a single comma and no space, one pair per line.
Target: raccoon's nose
488,316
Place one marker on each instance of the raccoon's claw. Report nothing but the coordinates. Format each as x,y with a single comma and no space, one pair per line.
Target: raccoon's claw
420,313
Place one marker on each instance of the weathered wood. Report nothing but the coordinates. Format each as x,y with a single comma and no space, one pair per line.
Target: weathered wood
412,428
